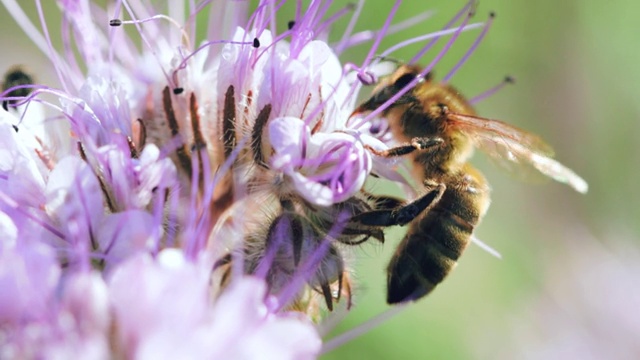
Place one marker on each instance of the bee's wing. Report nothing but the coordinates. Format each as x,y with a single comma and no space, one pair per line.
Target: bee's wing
518,147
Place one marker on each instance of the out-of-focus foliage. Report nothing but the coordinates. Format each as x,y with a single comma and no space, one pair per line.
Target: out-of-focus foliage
576,65
578,81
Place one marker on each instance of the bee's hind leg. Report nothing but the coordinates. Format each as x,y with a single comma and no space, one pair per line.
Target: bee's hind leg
401,215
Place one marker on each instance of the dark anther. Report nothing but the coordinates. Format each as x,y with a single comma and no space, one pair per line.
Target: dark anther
291,24
492,14
15,127
256,43
178,91
509,79
154,190
115,22
5,105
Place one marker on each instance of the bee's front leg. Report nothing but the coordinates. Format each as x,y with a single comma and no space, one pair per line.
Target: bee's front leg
419,143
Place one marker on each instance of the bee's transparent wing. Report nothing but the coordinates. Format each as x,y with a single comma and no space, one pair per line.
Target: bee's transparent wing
515,147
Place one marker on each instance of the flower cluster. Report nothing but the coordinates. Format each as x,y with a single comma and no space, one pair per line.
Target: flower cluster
176,197
183,200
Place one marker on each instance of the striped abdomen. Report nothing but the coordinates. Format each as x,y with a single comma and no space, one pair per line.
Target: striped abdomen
436,239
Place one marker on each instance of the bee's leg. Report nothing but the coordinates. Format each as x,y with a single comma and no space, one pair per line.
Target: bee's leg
222,262
328,272
344,288
385,202
286,227
425,143
402,215
356,226
356,232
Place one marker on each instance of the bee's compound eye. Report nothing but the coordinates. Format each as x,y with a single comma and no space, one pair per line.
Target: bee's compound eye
404,80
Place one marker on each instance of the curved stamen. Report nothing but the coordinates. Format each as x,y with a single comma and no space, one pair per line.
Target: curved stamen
362,328
364,76
304,29
32,32
368,78
17,100
435,35
422,74
344,42
62,95
372,51
185,59
52,53
368,35
333,18
471,49
66,45
265,49
487,93
371,55
185,36
455,19
256,19
147,43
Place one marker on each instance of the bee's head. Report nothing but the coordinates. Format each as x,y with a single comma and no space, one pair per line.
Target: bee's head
389,86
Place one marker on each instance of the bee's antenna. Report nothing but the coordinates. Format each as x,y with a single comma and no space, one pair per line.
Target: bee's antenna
507,80
473,47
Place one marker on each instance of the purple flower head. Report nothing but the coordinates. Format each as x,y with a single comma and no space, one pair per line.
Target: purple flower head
176,195
29,275
190,324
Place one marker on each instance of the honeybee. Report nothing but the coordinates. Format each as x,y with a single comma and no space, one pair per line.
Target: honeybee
438,130
15,76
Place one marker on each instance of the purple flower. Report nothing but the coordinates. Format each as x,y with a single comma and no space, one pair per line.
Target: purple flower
324,168
43,313
164,310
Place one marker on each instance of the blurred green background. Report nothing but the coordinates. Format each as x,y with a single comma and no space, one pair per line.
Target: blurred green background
578,75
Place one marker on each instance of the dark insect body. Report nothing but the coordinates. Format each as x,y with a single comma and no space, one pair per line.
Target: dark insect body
438,130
